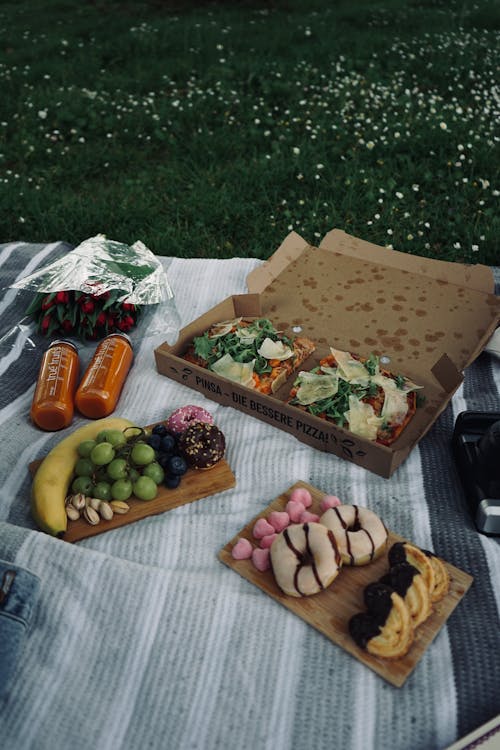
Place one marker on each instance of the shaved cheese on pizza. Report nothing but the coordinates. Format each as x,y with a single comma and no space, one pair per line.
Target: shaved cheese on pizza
351,369
362,419
395,406
316,386
221,329
274,350
238,372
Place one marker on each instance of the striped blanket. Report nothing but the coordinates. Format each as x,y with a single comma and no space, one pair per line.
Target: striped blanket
141,638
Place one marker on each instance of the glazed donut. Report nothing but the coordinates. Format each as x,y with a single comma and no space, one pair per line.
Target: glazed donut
385,629
182,418
202,445
361,535
305,559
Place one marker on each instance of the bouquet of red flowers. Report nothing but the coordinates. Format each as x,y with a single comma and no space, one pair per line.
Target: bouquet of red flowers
84,315
98,288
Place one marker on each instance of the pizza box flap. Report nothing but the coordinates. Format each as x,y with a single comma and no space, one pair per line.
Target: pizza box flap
359,297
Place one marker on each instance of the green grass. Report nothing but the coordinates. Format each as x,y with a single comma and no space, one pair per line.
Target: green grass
212,129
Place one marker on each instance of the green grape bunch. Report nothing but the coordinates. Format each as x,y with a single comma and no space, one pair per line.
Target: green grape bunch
117,465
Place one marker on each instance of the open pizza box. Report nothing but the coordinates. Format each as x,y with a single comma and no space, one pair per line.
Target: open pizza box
426,319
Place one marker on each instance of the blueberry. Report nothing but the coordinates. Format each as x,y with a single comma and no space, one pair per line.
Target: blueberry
172,481
163,459
154,441
160,430
177,466
168,443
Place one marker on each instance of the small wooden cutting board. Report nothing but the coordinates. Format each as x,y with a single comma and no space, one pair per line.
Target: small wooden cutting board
331,609
194,486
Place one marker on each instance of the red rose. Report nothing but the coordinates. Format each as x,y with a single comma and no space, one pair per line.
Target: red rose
62,297
87,307
44,325
126,323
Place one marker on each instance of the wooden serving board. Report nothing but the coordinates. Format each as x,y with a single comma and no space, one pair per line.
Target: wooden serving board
194,486
330,610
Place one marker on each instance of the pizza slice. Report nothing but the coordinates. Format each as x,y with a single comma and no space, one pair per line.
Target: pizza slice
356,393
250,352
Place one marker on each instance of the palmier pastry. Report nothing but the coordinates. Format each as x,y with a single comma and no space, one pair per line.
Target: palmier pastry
361,535
405,552
305,559
409,583
386,628
441,577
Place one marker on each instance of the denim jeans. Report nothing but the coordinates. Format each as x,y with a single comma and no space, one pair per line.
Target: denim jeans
19,591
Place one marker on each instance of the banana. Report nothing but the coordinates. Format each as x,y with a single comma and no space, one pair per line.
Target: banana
53,476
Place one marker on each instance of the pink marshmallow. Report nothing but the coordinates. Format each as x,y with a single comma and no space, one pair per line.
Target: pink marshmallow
260,558
329,501
262,528
266,541
242,550
294,510
306,517
279,520
301,495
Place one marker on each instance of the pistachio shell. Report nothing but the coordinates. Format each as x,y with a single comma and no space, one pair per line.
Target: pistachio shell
91,516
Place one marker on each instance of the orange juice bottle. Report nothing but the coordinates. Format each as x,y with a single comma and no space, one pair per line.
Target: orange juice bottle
102,382
52,405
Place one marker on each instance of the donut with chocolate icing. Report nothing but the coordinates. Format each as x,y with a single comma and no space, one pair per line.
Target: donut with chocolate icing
361,535
305,559
386,628
202,445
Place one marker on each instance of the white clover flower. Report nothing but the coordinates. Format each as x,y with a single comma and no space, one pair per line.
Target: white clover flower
409,236
443,126
320,166
370,145
389,231
484,183
42,114
456,245
475,248
399,195
415,187
21,219
296,150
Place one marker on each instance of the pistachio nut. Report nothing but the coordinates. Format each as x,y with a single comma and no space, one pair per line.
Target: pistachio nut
119,506
72,513
78,501
105,511
94,503
91,516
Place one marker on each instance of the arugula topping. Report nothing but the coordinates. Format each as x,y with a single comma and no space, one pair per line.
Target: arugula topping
334,407
241,349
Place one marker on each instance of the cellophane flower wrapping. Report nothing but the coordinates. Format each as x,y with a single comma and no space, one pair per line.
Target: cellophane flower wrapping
100,287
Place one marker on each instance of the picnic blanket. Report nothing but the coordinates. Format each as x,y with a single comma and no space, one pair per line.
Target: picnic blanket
141,638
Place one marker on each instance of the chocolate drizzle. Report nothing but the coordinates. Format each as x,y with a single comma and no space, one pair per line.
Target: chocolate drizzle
354,527
304,558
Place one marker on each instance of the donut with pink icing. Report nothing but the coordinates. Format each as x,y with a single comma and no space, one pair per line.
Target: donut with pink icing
185,416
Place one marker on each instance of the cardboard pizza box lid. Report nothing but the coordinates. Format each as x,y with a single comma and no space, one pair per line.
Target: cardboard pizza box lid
423,315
